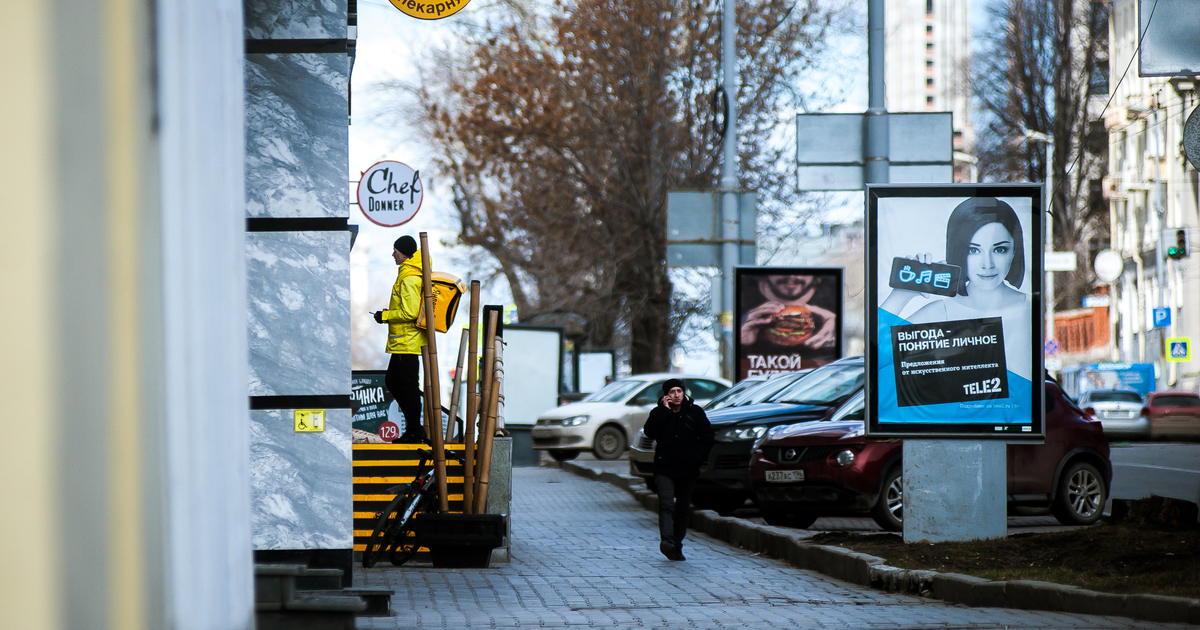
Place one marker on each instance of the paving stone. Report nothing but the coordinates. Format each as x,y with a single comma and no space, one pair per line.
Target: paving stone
585,554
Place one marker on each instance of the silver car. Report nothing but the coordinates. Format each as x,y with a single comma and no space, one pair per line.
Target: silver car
606,421
1119,412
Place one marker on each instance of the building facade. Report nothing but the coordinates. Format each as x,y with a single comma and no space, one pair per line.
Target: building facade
1152,195
928,52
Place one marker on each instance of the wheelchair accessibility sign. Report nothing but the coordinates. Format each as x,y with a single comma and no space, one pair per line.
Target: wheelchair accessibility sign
1179,349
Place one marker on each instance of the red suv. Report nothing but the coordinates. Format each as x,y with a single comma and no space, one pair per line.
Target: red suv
1172,414
803,471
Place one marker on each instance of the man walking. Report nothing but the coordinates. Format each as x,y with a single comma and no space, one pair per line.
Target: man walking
405,339
684,440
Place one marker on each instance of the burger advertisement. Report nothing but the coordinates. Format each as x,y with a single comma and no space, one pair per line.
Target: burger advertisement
789,319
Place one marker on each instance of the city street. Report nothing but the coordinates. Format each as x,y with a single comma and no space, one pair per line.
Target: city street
585,554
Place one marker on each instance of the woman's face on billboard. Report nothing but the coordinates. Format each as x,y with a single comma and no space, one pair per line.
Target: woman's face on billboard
989,256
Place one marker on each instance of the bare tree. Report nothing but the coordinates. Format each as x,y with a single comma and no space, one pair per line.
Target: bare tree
1039,72
563,140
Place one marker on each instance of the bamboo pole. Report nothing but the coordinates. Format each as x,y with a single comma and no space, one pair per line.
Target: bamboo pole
489,349
489,430
456,389
431,368
472,402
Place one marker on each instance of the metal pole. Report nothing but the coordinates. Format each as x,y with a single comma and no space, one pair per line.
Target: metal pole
1050,234
876,151
1160,256
729,183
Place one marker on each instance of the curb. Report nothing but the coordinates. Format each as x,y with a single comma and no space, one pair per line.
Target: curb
865,570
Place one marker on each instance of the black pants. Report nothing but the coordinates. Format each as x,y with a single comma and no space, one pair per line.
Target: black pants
674,507
403,380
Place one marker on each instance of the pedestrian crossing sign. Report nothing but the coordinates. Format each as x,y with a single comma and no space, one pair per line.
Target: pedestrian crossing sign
1179,349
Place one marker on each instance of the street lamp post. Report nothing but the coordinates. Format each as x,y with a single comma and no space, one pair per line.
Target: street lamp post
1037,136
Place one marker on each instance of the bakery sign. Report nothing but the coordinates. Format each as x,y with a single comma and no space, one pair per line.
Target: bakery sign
788,319
390,193
423,10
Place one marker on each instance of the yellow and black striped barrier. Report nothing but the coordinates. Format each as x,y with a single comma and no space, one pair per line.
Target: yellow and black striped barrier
378,467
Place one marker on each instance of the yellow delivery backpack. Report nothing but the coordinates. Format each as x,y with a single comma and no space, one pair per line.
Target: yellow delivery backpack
447,289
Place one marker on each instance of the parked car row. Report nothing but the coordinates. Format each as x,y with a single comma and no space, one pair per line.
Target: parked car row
801,452
1125,414
605,421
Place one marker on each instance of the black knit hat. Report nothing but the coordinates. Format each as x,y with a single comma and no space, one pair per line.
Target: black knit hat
406,245
671,383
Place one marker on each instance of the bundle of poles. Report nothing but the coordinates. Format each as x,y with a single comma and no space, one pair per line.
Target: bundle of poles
484,393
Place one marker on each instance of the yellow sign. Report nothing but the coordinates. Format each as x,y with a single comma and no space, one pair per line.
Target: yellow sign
429,10
310,420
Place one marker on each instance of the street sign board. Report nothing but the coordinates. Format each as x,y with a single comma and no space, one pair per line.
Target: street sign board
1096,301
829,150
1051,347
694,228
1162,317
1061,261
1179,349
1167,42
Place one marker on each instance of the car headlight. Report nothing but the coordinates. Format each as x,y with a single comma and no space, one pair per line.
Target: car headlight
844,458
854,433
739,434
574,421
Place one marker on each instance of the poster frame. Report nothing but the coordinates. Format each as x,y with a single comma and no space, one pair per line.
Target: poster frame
1035,243
741,273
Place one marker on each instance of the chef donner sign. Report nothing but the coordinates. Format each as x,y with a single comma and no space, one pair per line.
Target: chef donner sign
390,193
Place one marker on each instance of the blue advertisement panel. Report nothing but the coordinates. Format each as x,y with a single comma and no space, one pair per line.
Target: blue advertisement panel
954,311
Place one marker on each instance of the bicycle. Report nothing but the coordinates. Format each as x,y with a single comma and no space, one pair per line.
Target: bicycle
393,531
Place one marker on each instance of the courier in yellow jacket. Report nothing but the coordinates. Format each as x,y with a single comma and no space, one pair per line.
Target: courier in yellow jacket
404,338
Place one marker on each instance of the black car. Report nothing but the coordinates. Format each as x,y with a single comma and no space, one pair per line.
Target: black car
724,482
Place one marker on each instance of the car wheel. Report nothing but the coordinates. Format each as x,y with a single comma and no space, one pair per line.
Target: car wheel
1081,494
563,455
889,509
721,503
799,520
609,443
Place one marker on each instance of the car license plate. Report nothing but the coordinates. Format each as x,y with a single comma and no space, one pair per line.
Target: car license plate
785,476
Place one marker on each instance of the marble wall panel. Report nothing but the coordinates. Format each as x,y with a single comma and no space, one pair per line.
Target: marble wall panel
297,141
301,482
295,19
299,319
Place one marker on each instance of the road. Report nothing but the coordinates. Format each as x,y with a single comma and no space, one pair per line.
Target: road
1168,470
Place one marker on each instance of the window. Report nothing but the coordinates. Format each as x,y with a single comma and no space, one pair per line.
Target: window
928,7
929,101
703,390
1096,396
929,82
1176,401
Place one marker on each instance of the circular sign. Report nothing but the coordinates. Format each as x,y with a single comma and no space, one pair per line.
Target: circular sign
390,193
1108,265
388,431
429,9
1191,138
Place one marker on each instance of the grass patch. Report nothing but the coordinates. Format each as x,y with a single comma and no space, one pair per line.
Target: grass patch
1108,558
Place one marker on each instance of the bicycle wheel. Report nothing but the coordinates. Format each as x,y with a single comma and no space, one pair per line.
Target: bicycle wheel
382,538
406,545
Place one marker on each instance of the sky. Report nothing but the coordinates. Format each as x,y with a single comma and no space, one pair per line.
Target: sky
388,44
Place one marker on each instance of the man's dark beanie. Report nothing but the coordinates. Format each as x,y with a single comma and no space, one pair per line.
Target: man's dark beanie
672,383
406,245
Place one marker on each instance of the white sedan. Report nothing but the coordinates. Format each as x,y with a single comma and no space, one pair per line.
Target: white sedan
605,421
1119,412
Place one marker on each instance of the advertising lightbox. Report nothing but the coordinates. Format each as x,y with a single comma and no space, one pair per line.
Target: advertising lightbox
789,319
954,311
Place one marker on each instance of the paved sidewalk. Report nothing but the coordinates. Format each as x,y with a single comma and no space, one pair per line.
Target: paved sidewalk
585,554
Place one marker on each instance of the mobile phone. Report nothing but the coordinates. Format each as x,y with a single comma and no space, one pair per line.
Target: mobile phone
936,278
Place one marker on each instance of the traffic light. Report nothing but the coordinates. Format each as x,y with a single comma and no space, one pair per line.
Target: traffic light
1180,248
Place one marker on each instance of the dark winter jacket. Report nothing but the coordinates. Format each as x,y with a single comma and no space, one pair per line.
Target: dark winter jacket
684,439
